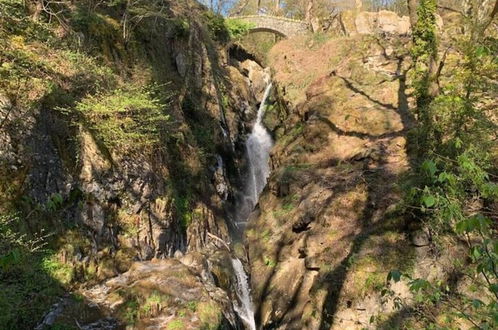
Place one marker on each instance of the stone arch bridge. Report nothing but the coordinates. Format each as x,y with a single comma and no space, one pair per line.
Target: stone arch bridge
283,26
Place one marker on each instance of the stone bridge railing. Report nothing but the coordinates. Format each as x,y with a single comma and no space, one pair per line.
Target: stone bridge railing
280,25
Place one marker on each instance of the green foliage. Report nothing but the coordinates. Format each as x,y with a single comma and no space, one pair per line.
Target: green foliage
425,53
181,28
26,286
129,119
100,28
270,262
424,34
238,28
183,210
175,325
14,21
223,29
210,315
454,182
131,310
59,271
217,26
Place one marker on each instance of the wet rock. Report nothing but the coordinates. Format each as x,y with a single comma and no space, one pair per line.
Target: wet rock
175,287
107,323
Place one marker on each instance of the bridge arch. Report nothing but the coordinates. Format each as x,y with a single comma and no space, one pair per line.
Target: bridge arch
282,26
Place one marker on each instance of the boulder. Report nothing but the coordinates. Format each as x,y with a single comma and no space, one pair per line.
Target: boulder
385,21
389,22
258,77
168,291
366,22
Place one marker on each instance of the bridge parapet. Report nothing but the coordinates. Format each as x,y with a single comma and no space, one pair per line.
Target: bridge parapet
284,26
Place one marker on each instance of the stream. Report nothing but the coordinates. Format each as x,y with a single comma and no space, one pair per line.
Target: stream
258,146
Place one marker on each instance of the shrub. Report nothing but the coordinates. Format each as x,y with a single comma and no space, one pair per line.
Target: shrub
238,28
130,118
217,27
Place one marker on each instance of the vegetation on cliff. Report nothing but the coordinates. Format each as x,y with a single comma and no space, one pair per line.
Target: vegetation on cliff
404,129
120,127
454,191
109,127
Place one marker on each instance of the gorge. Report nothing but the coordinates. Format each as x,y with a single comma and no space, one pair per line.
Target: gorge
293,166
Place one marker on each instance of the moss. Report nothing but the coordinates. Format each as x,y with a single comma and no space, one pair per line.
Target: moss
58,270
130,311
30,282
175,325
266,235
153,304
217,26
380,254
270,262
210,315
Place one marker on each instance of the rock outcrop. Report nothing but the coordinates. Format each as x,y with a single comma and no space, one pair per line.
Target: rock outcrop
354,22
317,241
109,205
383,22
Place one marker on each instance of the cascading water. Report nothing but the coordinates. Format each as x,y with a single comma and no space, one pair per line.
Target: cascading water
244,306
258,146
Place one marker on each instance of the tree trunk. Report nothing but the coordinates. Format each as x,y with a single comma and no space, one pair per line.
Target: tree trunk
492,16
309,11
412,10
34,8
433,76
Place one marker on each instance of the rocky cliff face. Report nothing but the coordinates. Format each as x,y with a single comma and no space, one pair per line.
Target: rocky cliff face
109,204
317,241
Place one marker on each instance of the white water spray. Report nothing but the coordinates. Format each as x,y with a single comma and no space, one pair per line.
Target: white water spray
243,306
258,146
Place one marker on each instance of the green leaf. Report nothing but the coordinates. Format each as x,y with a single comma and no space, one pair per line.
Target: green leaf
476,253
419,284
394,275
477,222
429,167
429,200
481,51
443,176
477,303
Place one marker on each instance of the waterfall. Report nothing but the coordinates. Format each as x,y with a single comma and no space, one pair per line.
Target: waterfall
243,306
258,146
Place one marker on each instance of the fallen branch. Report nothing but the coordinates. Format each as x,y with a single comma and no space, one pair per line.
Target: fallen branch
219,239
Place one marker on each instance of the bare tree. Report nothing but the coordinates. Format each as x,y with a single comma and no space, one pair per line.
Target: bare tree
309,11
412,10
491,17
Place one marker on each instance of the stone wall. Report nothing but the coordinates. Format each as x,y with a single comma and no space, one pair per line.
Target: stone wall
280,25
